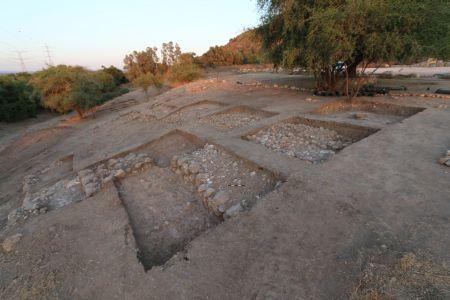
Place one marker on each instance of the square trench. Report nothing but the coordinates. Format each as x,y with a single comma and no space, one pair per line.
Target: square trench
193,111
235,117
203,185
312,140
363,112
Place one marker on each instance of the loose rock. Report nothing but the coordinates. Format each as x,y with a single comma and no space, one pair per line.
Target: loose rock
9,244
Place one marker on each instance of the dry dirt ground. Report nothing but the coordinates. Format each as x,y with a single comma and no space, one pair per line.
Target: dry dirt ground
231,188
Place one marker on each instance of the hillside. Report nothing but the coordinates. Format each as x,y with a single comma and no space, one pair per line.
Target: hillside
246,48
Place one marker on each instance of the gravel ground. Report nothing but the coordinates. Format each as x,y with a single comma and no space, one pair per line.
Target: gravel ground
230,121
314,144
225,183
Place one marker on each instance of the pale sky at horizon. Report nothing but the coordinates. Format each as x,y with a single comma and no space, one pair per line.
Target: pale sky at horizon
100,32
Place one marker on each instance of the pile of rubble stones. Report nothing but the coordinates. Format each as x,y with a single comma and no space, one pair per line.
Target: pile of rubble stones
224,183
59,194
314,144
446,159
226,121
92,179
75,188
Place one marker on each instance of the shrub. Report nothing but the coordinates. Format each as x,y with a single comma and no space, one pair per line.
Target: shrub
145,81
117,74
184,72
143,62
106,81
17,100
111,95
65,88
85,94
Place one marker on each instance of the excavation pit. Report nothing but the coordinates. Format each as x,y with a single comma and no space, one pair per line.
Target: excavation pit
368,112
169,207
164,212
192,112
226,183
308,139
173,143
235,117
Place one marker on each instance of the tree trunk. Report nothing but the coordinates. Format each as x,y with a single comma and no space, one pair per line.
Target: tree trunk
79,113
347,86
352,66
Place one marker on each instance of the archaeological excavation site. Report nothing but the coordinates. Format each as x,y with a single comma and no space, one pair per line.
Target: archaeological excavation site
238,187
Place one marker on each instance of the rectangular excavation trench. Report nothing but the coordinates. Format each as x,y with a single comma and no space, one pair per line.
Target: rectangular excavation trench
164,212
311,140
192,112
238,116
168,209
379,113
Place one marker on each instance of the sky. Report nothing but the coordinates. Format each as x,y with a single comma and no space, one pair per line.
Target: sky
101,32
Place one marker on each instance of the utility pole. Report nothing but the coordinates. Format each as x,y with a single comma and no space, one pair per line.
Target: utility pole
22,63
49,57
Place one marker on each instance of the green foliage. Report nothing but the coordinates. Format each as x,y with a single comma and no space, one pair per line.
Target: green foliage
243,49
56,86
113,94
105,81
139,63
145,81
65,88
146,68
320,34
170,55
185,72
86,92
117,74
17,99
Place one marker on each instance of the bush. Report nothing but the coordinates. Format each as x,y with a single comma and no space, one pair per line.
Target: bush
145,81
85,94
65,88
111,95
117,75
185,72
106,81
17,100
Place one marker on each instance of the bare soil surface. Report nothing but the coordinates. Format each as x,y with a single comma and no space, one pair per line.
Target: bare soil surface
192,112
233,118
164,213
145,201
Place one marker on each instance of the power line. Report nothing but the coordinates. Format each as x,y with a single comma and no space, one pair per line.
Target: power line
49,57
22,63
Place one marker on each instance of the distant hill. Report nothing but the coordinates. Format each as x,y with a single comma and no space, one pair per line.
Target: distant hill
246,48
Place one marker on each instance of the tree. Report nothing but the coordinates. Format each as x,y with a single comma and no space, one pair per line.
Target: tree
332,38
246,48
140,63
145,81
85,94
65,88
105,81
170,55
146,69
17,98
117,74
185,71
